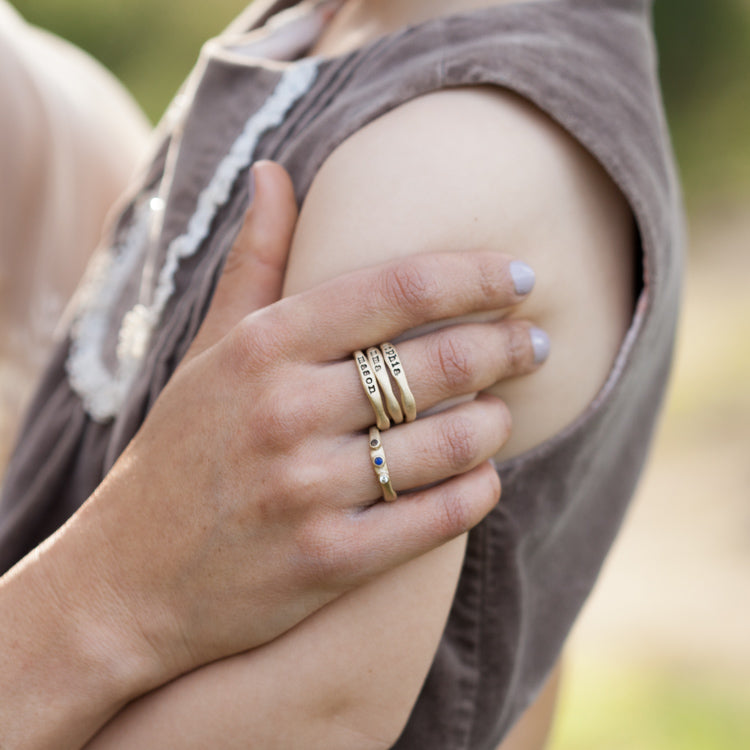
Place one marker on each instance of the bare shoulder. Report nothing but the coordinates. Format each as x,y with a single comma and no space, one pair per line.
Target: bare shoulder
479,167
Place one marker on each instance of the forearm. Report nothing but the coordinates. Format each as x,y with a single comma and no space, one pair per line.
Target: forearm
67,659
346,678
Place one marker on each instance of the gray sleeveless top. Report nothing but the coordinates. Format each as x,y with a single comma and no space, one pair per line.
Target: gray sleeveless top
590,65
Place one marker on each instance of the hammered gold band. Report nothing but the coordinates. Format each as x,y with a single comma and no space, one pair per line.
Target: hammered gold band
393,362
370,384
377,456
378,366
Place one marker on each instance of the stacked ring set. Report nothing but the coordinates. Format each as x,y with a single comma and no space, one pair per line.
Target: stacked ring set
382,376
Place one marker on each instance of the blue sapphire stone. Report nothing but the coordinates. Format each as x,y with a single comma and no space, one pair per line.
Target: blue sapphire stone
378,461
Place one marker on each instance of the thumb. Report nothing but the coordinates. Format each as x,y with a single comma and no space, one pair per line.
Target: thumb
254,269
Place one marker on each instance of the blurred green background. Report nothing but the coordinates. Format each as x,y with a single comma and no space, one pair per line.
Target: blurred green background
661,657
150,44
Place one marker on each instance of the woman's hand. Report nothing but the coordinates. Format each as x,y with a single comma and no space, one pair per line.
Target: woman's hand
247,500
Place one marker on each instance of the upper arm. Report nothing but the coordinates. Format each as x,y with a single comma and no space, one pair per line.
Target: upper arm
480,168
463,169
460,169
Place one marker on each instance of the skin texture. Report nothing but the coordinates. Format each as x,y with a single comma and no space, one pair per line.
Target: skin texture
119,607
498,175
306,689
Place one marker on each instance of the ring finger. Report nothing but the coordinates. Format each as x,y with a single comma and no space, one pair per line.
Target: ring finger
428,450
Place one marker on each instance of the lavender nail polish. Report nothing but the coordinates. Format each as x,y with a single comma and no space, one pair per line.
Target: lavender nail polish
523,277
540,344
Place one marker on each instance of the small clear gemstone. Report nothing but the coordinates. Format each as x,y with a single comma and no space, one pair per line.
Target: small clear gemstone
384,479
374,443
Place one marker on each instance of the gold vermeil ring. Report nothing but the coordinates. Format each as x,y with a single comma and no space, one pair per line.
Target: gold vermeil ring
393,362
372,390
377,365
377,456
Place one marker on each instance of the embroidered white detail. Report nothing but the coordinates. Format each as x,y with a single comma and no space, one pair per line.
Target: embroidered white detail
100,390
103,392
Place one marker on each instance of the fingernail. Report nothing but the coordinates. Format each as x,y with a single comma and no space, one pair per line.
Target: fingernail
540,344
523,277
250,185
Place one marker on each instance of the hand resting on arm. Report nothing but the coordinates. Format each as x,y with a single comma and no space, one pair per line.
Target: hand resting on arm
472,168
220,527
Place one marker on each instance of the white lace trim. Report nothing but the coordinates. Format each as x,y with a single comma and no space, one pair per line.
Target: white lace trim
103,392
105,280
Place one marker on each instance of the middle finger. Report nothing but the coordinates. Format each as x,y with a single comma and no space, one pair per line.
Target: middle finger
454,361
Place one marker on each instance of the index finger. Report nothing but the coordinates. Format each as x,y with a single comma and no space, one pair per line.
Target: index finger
378,303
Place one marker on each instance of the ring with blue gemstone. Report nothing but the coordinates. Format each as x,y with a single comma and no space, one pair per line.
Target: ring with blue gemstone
377,456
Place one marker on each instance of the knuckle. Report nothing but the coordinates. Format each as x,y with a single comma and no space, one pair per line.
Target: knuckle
234,260
461,506
455,361
284,420
407,286
490,484
500,420
324,552
458,442
484,496
489,277
518,347
492,278
495,486
453,515
256,344
270,508
255,235
505,421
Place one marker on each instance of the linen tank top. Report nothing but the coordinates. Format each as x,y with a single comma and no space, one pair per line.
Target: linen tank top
529,566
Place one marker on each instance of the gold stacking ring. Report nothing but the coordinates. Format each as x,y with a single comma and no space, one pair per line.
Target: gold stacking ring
393,362
377,455
370,384
377,365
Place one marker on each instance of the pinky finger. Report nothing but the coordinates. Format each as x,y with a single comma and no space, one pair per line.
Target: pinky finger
393,533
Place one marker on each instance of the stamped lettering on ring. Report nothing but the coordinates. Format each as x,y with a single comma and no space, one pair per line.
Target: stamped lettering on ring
369,378
375,360
390,354
397,371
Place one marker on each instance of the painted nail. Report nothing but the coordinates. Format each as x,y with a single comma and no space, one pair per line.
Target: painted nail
250,185
523,277
540,344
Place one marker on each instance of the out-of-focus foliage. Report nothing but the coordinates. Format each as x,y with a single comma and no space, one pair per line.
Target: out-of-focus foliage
646,709
152,44
704,52
700,46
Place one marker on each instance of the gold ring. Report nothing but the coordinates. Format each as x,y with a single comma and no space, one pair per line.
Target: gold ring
377,365
377,455
370,384
390,355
